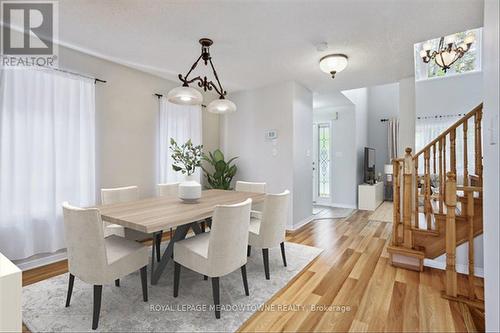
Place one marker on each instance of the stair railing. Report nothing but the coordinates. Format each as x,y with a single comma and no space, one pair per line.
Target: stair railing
437,159
439,162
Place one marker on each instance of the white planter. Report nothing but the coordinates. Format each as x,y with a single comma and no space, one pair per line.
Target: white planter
189,190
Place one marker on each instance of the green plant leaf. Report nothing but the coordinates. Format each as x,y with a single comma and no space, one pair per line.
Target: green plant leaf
218,155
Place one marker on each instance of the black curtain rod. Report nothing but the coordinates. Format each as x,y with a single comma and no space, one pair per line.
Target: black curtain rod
160,96
77,74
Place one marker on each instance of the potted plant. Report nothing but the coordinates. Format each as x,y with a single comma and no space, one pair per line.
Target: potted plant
187,157
223,172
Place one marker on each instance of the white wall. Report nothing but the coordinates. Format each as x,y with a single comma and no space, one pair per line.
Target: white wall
383,103
449,95
126,121
302,154
279,162
491,164
407,114
344,180
359,97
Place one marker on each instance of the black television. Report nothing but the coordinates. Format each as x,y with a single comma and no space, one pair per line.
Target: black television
369,167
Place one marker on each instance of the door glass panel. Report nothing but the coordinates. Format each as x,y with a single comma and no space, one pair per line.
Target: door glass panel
324,160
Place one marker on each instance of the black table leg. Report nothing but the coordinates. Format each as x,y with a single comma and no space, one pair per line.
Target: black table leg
179,234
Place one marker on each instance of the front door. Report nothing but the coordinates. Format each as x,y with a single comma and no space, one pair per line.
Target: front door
322,148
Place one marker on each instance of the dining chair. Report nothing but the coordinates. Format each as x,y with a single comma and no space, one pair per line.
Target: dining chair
254,187
125,194
269,231
97,260
168,189
218,252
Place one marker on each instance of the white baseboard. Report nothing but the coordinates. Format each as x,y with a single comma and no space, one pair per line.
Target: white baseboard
301,223
25,265
478,271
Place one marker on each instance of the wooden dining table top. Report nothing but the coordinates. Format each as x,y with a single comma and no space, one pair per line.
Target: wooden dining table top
162,213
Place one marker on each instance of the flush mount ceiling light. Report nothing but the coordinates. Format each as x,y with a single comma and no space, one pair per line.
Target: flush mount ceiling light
187,95
333,63
448,51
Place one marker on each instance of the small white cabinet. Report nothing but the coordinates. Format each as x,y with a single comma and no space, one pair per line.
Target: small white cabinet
10,296
370,196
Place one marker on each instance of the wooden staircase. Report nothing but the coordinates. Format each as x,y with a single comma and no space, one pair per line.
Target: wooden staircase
438,206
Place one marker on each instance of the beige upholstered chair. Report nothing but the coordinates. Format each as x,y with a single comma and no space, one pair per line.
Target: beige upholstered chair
218,252
98,260
114,195
269,231
168,189
242,186
124,194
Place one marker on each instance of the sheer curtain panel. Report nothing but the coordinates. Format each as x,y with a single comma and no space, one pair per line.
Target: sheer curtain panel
47,156
181,122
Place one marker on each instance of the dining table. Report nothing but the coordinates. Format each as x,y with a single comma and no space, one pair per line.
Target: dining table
156,214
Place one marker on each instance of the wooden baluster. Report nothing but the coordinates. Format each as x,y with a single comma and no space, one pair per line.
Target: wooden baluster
470,218
407,202
434,158
396,217
444,167
441,177
450,234
466,158
415,210
427,188
478,146
453,155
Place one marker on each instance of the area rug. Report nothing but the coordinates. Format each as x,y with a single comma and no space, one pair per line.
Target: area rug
383,213
123,310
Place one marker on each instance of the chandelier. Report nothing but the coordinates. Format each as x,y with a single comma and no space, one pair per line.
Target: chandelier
186,95
448,51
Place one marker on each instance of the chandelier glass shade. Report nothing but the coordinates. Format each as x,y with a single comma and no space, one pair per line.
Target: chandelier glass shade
187,95
221,106
448,51
333,63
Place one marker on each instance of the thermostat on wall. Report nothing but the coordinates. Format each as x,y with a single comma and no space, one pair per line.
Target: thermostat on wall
271,135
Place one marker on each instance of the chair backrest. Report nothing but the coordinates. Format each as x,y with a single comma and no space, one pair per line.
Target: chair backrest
168,189
85,243
273,225
228,242
250,187
119,194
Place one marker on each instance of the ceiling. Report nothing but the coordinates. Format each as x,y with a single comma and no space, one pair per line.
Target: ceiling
264,42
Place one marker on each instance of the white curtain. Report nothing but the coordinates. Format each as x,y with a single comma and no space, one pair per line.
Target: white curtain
181,122
46,156
393,136
428,129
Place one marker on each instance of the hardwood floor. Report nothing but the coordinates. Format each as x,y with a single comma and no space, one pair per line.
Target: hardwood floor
351,286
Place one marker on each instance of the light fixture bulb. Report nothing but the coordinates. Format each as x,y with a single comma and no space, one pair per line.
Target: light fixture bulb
185,96
333,63
427,46
470,39
221,106
450,39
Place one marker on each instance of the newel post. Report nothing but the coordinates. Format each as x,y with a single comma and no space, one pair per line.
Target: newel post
407,199
451,236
